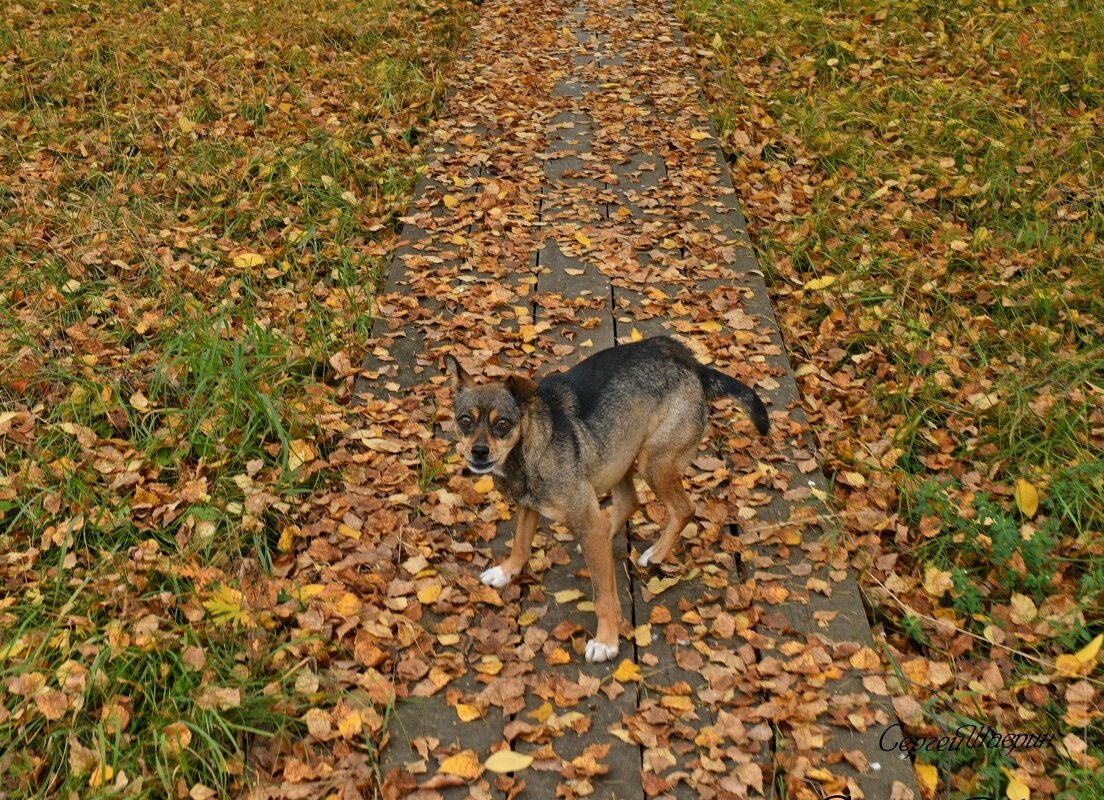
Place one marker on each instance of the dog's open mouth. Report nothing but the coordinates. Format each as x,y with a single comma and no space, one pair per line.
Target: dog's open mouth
481,467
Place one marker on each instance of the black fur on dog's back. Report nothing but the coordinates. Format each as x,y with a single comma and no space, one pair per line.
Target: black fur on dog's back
651,367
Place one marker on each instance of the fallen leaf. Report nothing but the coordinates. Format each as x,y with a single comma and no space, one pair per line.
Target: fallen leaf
247,260
822,282
300,452
464,764
1089,652
567,595
1016,789
507,761
1027,497
927,776
628,671
467,713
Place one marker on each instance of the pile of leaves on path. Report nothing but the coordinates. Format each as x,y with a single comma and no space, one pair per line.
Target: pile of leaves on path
196,200
924,182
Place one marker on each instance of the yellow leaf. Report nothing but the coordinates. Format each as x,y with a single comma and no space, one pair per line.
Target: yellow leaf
659,585
559,656
1023,609
1017,789
299,453
247,260
1027,497
347,604
489,665
225,606
567,595
101,775
484,484
464,764
287,538
697,136
628,671
583,239
928,778
541,713
429,594
856,479
634,335
643,634
937,582
139,401
351,533
467,713
1068,665
711,326
351,724
310,591
451,201
1089,651
677,702
185,124
820,283
507,761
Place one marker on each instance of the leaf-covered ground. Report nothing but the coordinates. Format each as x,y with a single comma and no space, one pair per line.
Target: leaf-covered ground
196,199
924,182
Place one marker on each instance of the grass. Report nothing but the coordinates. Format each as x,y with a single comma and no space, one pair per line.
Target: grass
944,164
202,197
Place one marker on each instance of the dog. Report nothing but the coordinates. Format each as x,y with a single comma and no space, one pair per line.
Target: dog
556,447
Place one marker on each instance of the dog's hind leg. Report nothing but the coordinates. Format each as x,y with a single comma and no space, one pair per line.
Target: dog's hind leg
664,458
665,478
625,503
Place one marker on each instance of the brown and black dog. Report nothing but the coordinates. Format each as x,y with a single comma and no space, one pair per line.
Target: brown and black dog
556,447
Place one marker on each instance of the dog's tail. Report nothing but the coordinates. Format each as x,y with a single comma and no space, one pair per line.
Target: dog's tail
717,384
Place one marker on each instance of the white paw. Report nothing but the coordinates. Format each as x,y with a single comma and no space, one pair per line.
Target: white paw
646,557
597,652
496,577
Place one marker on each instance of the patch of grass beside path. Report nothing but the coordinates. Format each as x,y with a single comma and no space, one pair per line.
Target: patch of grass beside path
924,182
197,199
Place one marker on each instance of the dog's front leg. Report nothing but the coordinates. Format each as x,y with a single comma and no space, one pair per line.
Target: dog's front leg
593,529
505,572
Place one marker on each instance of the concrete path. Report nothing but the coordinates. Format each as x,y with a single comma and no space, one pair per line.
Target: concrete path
577,197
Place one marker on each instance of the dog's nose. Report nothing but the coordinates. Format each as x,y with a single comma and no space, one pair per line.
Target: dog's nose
481,451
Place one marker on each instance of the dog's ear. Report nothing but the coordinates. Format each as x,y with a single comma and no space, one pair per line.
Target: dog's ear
457,375
521,387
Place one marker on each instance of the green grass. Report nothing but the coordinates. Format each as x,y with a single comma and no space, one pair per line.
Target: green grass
162,389
944,162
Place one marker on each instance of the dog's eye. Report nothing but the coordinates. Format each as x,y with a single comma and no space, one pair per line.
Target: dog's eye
465,421
502,427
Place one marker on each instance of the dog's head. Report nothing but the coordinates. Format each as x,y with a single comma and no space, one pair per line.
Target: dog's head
488,416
